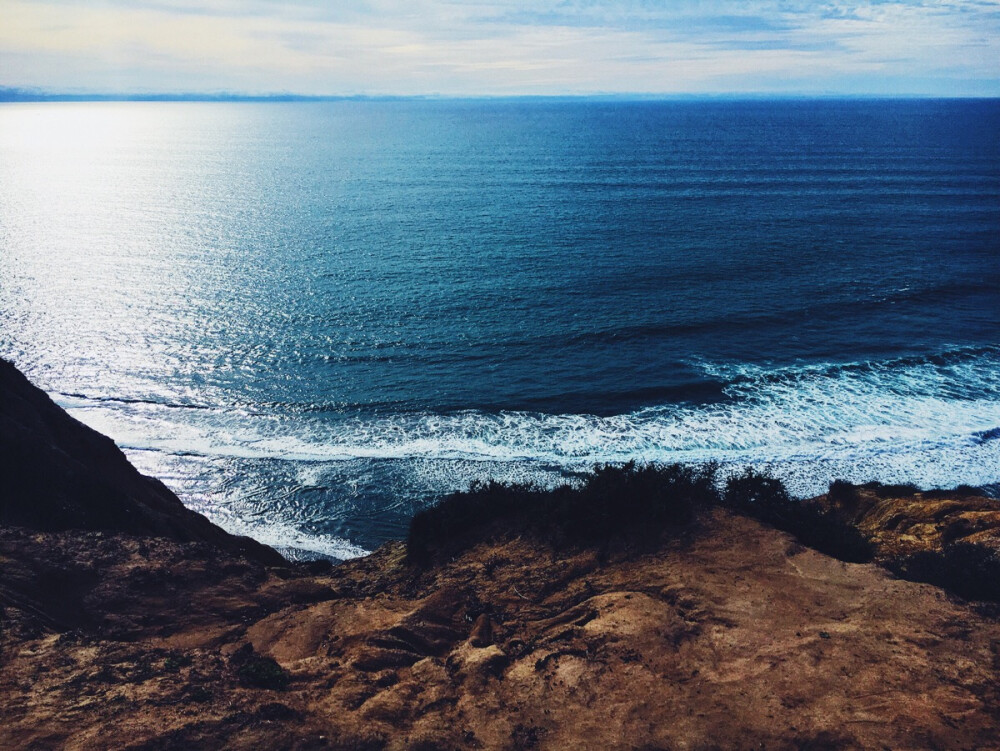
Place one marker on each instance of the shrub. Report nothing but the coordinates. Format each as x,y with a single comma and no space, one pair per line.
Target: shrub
631,503
637,502
842,492
256,671
262,672
904,490
765,498
967,490
962,491
968,570
447,526
757,493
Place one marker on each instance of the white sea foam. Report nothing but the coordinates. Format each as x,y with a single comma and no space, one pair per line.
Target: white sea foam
766,418
916,422
285,537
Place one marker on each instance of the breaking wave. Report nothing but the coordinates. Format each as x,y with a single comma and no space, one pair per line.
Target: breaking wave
929,417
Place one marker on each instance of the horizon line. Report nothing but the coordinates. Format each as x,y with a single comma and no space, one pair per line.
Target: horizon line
29,95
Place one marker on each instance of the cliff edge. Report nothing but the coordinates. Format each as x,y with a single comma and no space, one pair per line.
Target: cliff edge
57,474
712,630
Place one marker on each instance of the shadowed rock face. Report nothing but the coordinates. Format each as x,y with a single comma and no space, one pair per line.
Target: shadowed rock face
58,474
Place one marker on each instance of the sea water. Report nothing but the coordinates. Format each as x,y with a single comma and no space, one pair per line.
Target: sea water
312,319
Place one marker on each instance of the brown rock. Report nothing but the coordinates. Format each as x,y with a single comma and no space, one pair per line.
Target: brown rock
482,632
906,524
732,635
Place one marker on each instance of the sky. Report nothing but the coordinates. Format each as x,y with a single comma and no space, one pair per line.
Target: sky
503,47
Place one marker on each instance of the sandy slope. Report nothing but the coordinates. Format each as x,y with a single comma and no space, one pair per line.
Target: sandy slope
734,638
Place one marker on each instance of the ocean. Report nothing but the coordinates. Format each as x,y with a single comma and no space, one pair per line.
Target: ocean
311,319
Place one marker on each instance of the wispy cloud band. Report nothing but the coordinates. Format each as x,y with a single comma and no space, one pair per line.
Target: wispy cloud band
503,47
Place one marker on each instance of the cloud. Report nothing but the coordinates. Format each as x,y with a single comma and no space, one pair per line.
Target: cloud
500,47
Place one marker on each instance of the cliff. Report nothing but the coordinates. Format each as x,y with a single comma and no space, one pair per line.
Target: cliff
57,474
717,631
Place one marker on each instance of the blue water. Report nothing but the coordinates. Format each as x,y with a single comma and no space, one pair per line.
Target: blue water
312,319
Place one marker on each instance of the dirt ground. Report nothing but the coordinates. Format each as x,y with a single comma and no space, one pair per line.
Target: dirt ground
732,636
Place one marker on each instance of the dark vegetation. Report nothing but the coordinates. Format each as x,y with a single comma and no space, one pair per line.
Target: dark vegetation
903,490
256,671
962,491
970,571
637,506
633,505
765,498
843,492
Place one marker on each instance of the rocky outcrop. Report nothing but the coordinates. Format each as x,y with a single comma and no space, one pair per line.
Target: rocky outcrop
58,474
901,520
733,637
